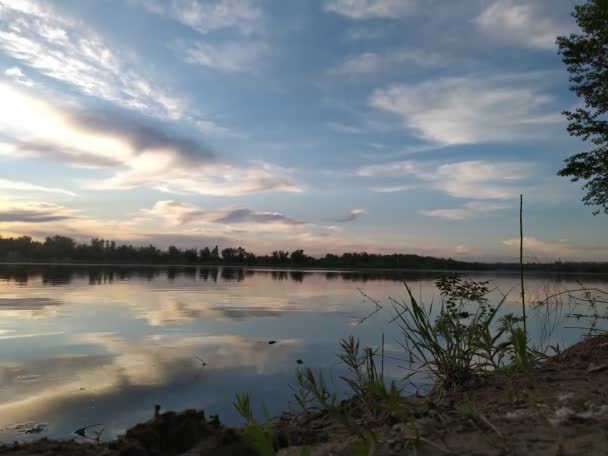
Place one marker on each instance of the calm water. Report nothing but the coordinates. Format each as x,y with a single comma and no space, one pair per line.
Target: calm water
87,345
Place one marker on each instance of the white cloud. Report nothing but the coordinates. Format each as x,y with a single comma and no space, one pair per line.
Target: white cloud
157,171
536,249
209,15
47,41
141,156
180,213
370,9
392,188
473,179
230,57
33,212
14,72
352,215
398,168
7,184
478,179
471,110
522,22
17,75
472,209
380,63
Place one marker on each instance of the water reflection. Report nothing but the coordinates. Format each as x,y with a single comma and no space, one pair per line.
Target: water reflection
99,274
89,344
70,389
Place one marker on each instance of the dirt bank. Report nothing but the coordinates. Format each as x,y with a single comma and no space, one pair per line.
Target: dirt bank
559,408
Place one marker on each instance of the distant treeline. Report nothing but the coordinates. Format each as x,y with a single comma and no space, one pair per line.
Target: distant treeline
65,249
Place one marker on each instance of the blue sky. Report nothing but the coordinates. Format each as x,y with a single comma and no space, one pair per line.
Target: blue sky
328,125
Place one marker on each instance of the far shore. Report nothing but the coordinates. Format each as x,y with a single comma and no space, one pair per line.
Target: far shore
530,268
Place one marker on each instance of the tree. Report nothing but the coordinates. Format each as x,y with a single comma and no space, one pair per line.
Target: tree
205,254
228,254
215,254
586,57
299,258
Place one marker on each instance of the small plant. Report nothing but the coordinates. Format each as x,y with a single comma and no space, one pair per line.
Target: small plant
522,355
312,391
98,435
370,396
260,436
463,340
366,383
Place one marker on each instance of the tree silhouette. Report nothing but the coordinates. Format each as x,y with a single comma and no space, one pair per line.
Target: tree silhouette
65,249
586,57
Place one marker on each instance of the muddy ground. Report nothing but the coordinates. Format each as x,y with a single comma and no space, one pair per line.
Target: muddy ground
557,409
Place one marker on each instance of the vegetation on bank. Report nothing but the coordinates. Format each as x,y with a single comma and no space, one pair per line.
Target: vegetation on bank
63,249
453,346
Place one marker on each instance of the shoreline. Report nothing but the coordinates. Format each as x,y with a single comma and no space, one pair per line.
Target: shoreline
304,268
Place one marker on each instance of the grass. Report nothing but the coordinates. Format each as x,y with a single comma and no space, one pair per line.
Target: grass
465,339
261,437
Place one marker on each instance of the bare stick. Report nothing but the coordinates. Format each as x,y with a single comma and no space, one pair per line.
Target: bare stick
382,367
521,261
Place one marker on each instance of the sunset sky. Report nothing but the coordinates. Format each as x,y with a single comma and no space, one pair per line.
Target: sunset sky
328,125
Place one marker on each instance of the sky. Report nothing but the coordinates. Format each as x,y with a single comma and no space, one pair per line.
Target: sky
405,126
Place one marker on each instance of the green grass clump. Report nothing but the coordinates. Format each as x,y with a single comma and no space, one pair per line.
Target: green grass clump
259,436
465,339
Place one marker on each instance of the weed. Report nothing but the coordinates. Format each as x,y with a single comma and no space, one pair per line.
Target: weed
450,346
366,383
312,390
464,339
260,436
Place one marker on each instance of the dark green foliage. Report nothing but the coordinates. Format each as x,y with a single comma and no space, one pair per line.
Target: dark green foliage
586,57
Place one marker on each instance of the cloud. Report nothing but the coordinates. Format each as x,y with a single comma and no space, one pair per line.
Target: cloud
343,128
60,48
160,364
6,184
140,154
471,110
382,63
156,171
562,248
473,179
478,179
182,213
230,57
208,16
352,215
17,75
32,212
243,215
370,9
392,188
522,22
397,168
27,309
210,128
95,138
472,209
